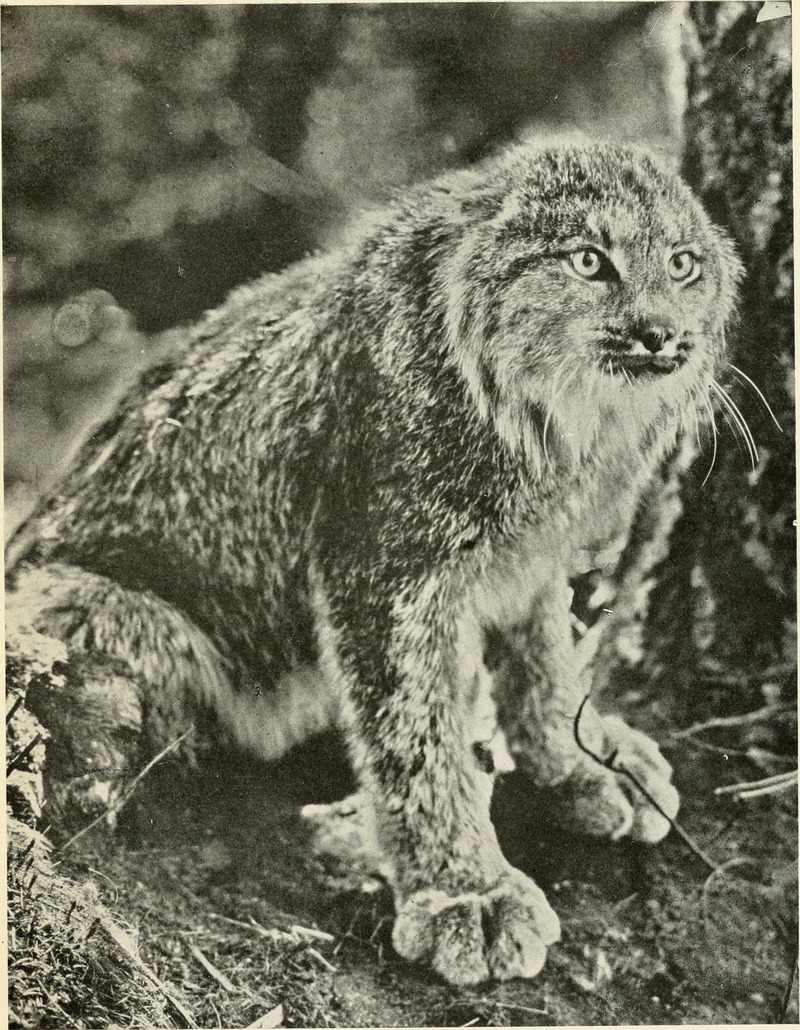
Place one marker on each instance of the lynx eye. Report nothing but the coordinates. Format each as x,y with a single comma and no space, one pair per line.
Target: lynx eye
683,266
587,262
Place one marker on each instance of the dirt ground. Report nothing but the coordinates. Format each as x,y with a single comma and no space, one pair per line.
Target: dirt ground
205,865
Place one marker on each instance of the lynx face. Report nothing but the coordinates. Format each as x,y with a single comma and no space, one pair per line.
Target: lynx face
600,292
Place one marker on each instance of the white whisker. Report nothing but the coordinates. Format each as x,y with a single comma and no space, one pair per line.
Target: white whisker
739,419
747,378
743,421
736,425
713,424
696,414
734,428
547,418
558,390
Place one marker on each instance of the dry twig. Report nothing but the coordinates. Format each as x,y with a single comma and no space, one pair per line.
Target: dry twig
256,927
725,721
17,760
125,945
322,960
307,931
720,871
758,788
13,709
212,970
127,794
608,763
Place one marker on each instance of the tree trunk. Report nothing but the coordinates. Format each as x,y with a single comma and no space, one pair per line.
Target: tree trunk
722,604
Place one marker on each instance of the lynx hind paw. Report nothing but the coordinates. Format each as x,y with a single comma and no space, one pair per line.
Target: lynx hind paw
345,831
605,802
474,937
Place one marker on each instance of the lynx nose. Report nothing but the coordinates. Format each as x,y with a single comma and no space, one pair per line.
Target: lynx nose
655,337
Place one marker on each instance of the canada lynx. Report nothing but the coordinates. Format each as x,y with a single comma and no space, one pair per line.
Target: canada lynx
355,468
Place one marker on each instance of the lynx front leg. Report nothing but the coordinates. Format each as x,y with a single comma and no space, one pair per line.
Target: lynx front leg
540,695
403,655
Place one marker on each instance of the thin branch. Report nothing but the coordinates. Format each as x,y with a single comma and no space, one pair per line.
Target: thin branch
741,679
787,997
758,788
13,709
212,970
257,928
719,871
127,794
727,721
17,761
321,959
608,763
307,931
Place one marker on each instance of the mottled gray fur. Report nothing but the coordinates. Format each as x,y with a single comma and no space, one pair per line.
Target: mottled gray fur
354,469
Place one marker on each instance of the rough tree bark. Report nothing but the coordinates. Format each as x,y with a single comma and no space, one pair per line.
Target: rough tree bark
715,554
733,551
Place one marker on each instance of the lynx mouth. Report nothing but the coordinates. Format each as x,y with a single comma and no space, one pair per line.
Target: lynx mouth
636,365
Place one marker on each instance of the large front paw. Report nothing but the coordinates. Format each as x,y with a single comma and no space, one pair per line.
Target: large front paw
468,938
628,793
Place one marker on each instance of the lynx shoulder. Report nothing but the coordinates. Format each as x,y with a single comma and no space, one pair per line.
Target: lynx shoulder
357,468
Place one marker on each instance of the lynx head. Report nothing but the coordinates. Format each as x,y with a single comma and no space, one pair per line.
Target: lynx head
587,300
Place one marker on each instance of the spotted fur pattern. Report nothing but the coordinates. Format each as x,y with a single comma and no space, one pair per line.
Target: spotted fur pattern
315,511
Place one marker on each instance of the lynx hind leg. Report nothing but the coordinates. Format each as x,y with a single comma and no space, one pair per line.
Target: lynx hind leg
168,666
345,829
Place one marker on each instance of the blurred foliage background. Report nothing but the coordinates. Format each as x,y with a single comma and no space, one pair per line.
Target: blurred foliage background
166,154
